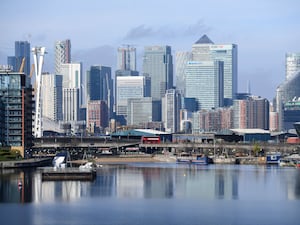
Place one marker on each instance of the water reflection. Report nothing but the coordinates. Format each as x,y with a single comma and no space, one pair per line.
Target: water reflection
154,181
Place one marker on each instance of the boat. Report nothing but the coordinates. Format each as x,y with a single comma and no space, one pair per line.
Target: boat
196,159
201,160
273,158
60,160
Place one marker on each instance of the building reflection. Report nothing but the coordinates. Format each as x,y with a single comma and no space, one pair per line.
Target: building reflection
115,181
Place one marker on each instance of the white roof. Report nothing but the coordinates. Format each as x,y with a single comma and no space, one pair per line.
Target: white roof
250,131
151,131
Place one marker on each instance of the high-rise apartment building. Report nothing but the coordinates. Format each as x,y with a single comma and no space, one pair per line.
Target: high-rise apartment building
158,64
126,58
204,82
171,105
181,59
15,111
72,90
97,116
22,52
205,50
251,113
52,96
62,54
130,87
292,64
99,85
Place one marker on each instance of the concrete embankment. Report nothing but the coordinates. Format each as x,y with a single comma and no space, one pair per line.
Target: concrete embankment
26,163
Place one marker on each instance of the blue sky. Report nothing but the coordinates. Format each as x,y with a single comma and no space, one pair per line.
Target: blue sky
264,30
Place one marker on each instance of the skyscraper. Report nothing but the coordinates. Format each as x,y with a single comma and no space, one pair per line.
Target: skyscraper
72,90
158,64
126,58
99,85
204,81
130,87
22,51
205,50
171,105
52,96
292,64
62,53
181,59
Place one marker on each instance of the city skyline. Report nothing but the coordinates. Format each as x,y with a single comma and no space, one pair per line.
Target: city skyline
264,32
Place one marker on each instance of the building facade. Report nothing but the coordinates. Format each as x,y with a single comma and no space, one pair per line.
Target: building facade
97,116
15,111
72,90
204,82
126,58
292,64
22,52
171,105
158,64
130,87
52,96
181,59
139,111
205,50
62,54
251,113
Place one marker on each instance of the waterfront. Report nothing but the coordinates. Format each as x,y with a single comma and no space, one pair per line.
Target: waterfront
155,193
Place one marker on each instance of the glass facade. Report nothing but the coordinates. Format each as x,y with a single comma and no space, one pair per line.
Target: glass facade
208,51
292,64
158,64
204,81
15,110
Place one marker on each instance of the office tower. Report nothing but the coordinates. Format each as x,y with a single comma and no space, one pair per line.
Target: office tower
204,81
72,90
287,91
171,105
99,85
126,58
251,113
97,116
22,52
52,96
181,59
158,64
292,64
15,111
139,111
130,87
62,54
205,50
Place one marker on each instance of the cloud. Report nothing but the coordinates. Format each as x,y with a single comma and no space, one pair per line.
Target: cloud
166,31
140,32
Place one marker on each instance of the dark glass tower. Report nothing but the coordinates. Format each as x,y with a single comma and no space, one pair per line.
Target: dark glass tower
100,85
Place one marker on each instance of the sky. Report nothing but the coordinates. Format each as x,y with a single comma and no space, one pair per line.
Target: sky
264,30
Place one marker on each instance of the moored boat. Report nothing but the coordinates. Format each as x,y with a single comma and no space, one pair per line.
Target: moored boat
273,158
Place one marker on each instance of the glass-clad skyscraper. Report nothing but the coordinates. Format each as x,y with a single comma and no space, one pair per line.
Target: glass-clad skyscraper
205,50
22,52
292,64
99,85
204,81
158,64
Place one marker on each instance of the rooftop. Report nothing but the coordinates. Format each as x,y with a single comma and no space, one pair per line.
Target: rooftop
204,40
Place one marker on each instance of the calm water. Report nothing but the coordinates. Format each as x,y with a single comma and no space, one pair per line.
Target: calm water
155,193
